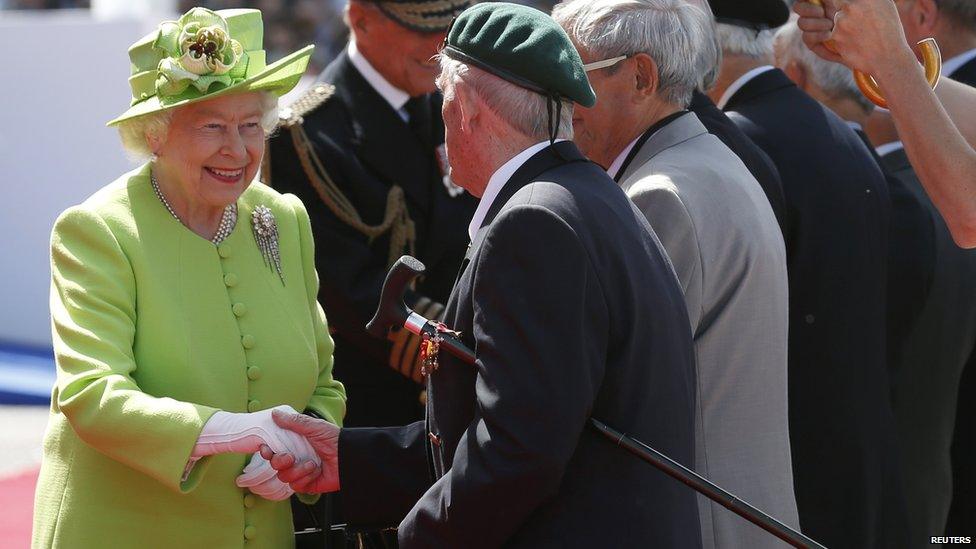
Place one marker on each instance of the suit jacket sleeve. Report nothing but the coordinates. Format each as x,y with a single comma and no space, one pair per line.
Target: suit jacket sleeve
329,399
540,332
382,473
659,202
93,298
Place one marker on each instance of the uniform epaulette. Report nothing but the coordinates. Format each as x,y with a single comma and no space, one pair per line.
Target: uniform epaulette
306,103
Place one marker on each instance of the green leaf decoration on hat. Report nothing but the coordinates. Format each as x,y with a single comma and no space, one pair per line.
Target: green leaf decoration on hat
200,52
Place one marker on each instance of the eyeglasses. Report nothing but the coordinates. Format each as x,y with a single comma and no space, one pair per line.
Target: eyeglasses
597,65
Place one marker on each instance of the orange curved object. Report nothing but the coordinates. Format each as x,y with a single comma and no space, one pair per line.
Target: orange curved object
931,59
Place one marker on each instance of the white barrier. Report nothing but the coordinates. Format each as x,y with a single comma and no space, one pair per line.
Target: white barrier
64,75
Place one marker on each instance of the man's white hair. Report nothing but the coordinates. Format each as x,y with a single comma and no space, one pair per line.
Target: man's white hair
525,110
135,132
710,57
836,80
736,40
674,33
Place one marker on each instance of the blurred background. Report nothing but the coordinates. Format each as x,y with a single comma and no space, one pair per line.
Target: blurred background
55,151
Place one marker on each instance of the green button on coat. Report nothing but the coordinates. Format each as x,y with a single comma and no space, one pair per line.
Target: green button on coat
239,309
254,406
253,373
247,341
250,532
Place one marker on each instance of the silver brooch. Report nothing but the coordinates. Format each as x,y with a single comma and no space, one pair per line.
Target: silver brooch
266,235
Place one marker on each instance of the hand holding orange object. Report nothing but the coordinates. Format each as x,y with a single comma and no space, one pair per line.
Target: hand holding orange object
864,35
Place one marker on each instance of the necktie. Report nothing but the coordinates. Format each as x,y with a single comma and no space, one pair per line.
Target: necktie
418,108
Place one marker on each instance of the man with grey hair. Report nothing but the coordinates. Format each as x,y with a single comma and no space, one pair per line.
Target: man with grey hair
718,124
720,233
842,431
573,311
931,300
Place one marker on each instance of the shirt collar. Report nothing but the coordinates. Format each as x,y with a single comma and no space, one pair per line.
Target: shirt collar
889,148
956,63
614,168
497,182
738,84
623,161
396,97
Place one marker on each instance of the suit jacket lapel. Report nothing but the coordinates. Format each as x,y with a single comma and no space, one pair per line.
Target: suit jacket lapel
551,157
966,73
896,161
683,128
385,143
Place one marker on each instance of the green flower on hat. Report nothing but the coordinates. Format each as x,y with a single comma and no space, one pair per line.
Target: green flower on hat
200,52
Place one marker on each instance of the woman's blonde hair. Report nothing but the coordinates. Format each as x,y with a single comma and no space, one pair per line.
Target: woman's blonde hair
135,132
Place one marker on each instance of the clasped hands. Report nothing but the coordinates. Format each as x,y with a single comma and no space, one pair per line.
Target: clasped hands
270,431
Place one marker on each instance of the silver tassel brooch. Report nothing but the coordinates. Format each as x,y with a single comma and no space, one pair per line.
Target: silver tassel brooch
266,235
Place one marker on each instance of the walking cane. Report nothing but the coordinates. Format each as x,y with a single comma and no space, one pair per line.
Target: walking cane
393,312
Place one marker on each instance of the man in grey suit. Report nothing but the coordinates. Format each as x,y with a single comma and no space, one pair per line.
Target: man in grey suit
720,232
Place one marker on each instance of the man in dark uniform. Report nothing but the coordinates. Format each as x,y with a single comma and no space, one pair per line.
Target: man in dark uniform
842,427
572,310
363,149
718,124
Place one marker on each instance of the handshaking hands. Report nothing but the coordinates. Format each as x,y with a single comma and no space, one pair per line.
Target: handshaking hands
246,433
309,476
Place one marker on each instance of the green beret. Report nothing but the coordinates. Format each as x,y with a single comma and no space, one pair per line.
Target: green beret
522,45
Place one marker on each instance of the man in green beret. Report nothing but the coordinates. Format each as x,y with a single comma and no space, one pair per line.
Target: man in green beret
573,311
364,150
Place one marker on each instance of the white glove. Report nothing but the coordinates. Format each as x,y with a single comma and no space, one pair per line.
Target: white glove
232,433
262,480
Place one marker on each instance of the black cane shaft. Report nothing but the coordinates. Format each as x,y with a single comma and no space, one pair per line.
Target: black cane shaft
710,490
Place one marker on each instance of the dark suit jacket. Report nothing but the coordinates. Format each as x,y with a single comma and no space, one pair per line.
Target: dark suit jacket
367,148
928,361
841,425
962,516
573,311
757,162
911,260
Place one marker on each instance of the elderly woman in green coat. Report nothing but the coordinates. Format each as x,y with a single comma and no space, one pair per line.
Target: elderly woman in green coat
184,309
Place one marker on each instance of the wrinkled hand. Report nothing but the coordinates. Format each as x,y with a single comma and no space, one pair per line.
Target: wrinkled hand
306,476
867,34
261,479
241,433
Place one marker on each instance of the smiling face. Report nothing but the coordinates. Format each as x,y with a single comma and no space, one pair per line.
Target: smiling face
403,56
213,149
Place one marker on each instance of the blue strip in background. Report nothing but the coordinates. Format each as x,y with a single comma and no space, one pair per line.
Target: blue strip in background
27,374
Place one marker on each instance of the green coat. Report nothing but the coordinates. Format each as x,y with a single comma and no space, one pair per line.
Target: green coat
155,329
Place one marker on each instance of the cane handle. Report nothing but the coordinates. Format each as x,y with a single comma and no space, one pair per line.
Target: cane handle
931,60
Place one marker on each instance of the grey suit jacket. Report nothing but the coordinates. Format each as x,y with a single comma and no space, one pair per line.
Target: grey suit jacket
723,239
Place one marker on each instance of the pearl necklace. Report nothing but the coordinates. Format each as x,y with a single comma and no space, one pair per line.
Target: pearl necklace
227,222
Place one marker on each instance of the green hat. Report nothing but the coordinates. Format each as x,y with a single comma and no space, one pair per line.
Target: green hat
522,45
423,15
206,54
